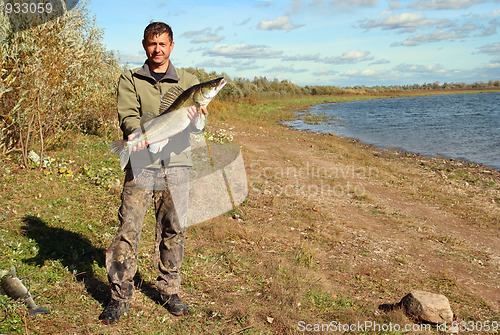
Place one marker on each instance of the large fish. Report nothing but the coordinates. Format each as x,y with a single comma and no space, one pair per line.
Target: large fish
15,289
172,120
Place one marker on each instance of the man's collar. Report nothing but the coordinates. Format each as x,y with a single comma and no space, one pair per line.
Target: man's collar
170,75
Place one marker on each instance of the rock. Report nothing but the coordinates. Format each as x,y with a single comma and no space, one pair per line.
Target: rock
427,307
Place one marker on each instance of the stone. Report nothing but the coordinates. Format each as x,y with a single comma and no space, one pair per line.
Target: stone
427,307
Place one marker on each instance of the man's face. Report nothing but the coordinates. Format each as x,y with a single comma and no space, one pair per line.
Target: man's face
158,49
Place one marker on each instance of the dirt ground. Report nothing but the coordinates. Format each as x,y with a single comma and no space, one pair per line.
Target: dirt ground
383,222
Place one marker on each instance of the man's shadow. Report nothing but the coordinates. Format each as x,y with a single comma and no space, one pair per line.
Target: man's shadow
78,255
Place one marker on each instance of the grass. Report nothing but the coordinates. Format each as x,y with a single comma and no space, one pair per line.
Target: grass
260,268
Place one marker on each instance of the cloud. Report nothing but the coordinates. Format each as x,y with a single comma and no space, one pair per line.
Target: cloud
242,23
137,58
302,58
355,3
280,23
394,4
325,72
204,35
380,61
405,22
264,3
493,65
467,27
288,69
350,57
208,38
245,66
333,8
420,69
243,50
490,71
296,5
491,30
199,49
193,33
364,73
444,4
435,36
216,63
490,49
237,65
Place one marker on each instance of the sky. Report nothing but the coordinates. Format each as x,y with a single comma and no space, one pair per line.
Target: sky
317,42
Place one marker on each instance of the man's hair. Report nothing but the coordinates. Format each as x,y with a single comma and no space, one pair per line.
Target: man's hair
158,28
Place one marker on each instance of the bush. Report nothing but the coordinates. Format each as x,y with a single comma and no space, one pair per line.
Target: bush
55,77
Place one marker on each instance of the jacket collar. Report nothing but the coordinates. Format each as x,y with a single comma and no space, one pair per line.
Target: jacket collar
170,75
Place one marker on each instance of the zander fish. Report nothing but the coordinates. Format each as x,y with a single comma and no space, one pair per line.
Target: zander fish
15,289
172,120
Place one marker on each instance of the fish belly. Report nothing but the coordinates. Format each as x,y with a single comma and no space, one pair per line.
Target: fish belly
14,288
166,126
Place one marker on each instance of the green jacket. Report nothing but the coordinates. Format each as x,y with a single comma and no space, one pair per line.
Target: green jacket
139,96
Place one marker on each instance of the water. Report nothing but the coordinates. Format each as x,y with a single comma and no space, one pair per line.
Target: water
463,126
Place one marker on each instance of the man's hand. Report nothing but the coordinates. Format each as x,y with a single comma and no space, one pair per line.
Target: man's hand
193,113
139,146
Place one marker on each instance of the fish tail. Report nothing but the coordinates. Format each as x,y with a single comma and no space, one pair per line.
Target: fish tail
118,148
33,308
39,310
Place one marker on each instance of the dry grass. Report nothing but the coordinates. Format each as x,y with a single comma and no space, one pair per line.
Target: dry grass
294,252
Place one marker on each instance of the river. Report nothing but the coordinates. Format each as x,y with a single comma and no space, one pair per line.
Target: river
461,126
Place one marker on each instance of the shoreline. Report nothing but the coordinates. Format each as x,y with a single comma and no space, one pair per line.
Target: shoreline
402,150
445,162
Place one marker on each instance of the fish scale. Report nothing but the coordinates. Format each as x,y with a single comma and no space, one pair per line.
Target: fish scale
172,120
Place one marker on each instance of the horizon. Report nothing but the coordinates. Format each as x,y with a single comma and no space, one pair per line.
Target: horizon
336,43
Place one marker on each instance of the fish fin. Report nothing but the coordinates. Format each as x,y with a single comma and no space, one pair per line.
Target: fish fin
118,148
201,122
169,98
156,147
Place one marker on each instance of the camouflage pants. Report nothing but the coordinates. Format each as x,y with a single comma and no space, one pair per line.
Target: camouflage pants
171,204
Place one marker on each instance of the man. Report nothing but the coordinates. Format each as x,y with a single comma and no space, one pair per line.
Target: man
139,94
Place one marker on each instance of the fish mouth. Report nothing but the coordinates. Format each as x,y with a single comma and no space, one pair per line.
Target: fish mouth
222,83
215,86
